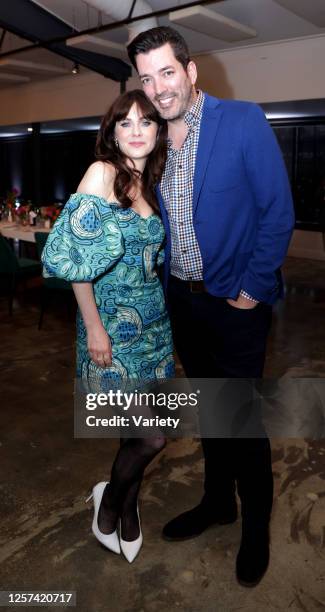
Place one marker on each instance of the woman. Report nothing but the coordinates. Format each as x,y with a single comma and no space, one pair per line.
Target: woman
108,242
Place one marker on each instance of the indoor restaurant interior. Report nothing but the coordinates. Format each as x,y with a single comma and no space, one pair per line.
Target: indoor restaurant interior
62,63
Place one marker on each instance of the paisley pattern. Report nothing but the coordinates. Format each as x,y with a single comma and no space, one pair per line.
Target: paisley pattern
118,250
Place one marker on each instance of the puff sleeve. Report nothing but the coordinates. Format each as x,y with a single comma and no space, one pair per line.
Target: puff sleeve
85,240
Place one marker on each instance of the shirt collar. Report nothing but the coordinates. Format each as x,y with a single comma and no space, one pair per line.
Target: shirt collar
193,115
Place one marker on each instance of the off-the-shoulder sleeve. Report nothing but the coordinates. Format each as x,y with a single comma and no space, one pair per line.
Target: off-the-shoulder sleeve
85,240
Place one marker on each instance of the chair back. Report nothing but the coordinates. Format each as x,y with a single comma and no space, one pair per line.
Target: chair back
8,259
40,239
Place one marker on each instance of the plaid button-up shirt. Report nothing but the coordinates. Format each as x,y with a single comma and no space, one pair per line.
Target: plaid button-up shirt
177,191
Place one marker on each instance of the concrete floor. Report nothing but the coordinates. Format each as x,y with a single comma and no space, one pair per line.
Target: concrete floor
46,542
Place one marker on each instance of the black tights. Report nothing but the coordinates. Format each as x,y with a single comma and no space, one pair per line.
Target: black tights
120,496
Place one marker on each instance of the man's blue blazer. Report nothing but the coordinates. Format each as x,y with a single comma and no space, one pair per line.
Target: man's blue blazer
242,206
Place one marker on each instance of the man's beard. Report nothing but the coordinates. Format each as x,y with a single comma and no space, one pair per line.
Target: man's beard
164,113
179,115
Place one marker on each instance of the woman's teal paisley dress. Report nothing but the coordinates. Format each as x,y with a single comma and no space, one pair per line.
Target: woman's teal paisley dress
118,251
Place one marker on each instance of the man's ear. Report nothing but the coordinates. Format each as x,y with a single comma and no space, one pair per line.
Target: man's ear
192,71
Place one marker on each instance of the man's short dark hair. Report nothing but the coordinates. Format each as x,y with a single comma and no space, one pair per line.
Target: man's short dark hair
156,38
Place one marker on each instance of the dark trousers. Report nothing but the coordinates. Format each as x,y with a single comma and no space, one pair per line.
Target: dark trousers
216,340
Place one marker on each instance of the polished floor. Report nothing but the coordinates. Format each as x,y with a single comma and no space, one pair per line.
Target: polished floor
46,542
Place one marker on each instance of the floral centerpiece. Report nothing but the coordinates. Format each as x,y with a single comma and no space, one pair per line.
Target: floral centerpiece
50,214
11,203
22,213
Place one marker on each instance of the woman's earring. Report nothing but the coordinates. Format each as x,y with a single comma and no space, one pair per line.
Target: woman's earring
116,142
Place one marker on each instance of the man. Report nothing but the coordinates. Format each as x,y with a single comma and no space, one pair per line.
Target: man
227,210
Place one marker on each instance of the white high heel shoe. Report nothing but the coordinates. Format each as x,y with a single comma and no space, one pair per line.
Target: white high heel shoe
110,540
131,549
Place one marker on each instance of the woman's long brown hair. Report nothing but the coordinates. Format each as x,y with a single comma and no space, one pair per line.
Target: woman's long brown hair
106,149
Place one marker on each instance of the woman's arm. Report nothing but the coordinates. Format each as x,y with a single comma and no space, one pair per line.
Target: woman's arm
98,341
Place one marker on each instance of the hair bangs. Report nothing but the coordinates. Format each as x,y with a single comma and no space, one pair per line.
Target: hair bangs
137,97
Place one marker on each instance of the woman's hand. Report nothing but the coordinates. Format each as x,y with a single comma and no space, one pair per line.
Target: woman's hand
98,342
99,346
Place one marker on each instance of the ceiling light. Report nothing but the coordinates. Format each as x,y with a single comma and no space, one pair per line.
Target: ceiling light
29,129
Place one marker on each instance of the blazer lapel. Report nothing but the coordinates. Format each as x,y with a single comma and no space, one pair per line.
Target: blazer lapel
209,125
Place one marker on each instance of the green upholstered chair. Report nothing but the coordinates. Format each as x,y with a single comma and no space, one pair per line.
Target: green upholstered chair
15,269
51,284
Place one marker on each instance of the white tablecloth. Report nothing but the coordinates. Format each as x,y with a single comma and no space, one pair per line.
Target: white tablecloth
20,232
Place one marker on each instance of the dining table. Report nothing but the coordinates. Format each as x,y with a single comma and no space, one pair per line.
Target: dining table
17,231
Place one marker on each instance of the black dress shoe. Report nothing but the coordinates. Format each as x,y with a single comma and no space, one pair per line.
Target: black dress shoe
192,523
253,557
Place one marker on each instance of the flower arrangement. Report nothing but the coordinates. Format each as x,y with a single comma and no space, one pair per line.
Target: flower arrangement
50,213
10,203
22,212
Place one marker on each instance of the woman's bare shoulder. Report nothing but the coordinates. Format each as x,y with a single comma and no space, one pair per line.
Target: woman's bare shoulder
98,179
